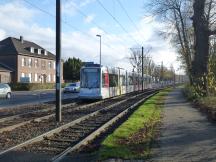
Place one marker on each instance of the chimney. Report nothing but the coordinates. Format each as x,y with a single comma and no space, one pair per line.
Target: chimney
21,39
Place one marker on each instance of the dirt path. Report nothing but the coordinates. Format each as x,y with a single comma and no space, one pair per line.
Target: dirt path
186,134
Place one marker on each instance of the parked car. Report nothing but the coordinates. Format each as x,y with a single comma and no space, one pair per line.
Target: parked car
72,87
5,91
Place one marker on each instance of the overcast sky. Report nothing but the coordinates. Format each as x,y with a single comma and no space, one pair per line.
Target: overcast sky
82,21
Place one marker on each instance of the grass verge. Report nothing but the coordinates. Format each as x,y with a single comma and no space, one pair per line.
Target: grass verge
133,139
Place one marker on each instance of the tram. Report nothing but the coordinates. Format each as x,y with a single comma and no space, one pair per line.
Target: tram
100,82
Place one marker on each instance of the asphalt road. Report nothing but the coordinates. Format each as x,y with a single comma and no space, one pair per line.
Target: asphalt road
32,97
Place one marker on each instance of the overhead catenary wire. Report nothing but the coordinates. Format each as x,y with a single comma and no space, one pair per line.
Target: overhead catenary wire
65,22
126,13
93,22
114,18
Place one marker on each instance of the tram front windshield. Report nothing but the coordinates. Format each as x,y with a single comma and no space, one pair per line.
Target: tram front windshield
90,78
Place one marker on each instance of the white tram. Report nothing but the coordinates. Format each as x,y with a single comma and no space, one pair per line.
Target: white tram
100,82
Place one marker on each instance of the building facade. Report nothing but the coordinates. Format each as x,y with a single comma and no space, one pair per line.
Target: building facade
30,62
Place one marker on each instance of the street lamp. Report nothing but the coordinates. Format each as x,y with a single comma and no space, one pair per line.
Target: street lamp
100,46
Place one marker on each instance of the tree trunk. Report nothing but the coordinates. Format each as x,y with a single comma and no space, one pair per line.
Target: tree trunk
201,30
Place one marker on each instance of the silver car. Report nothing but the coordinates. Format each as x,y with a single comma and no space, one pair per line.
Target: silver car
5,91
72,87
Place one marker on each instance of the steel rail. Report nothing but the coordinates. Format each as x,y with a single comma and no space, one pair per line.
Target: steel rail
11,117
16,125
19,116
100,130
63,127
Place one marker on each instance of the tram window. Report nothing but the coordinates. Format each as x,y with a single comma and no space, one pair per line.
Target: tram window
122,80
137,80
90,78
105,80
113,80
130,80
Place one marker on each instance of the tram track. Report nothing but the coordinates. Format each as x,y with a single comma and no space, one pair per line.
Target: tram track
33,128
68,137
11,122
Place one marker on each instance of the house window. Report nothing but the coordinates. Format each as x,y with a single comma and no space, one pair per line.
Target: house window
45,52
54,65
50,65
22,75
30,62
32,49
30,77
40,77
39,51
36,77
43,64
49,78
23,62
36,63
54,78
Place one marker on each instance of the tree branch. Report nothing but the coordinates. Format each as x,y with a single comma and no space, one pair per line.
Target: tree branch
212,32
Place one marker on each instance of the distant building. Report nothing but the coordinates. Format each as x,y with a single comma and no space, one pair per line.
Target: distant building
26,61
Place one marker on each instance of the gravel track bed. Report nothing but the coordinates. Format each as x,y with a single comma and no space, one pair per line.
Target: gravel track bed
35,114
22,109
16,110
36,128
57,143
23,118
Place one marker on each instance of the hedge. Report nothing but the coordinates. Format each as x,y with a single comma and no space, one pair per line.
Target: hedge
32,86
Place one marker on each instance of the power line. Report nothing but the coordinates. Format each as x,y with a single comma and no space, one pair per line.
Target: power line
48,13
93,22
65,22
125,11
114,18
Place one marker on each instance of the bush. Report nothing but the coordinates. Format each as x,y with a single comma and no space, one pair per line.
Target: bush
32,86
191,93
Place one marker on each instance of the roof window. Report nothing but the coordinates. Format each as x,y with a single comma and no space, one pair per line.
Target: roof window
32,49
39,51
45,52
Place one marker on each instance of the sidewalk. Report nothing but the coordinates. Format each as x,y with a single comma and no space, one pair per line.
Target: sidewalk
187,135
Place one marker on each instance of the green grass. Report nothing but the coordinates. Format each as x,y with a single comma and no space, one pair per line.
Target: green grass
132,140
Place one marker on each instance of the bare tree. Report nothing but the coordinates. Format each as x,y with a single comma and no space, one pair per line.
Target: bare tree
176,15
136,59
192,23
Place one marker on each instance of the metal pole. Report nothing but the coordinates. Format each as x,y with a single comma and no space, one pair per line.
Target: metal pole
58,61
174,78
142,70
100,50
100,46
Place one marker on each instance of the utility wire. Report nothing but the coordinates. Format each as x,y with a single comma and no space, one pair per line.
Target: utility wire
65,22
95,23
114,18
125,11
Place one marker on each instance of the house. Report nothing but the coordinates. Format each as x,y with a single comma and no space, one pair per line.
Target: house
5,73
30,62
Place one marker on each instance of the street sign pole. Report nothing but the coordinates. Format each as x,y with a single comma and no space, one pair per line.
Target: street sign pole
58,61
